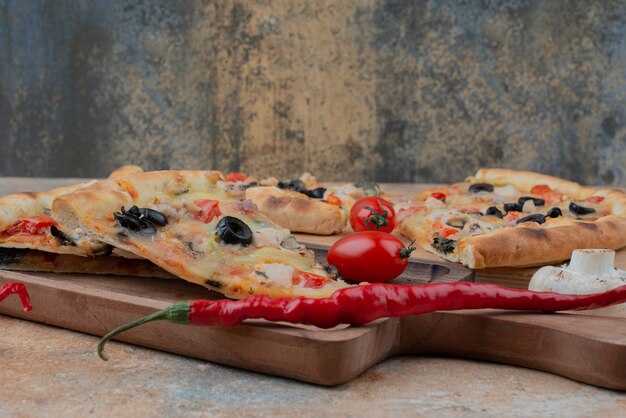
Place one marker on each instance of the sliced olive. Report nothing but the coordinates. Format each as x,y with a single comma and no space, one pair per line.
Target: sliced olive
155,217
317,193
512,207
536,201
494,211
293,184
554,213
580,210
536,217
480,187
233,230
251,184
58,234
456,222
127,220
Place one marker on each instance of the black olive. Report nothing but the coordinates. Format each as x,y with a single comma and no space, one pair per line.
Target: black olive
537,217
146,227
536,201
233,230
480,187
512,207
295,185
580,210
127,220
251,184
494,211
316,193
154,216
554,213
63,239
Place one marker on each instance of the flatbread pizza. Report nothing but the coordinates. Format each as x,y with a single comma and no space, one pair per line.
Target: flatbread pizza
514,218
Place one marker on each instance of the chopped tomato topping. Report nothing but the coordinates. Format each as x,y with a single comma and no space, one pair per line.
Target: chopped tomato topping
209,210
443,230
540,189
236,176
312,281
333,200
33,225
513,216
595,199
439,196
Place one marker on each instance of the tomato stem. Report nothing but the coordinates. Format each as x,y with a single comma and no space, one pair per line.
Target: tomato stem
406,252
378,219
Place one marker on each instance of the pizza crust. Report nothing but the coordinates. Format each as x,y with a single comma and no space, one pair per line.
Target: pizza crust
531,244
297,212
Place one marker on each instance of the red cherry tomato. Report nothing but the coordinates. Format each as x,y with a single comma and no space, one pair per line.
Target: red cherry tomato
372,214
369,256
439,196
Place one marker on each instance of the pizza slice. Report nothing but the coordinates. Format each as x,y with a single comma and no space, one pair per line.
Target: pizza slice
304,204
197,226
25,222
514,218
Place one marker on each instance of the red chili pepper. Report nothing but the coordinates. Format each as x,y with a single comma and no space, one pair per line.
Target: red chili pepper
16,288
362,304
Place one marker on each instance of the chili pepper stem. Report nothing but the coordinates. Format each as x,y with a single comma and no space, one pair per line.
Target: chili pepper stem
176,313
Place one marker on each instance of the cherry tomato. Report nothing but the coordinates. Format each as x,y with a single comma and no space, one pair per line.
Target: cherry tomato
369,256
372,213
235,176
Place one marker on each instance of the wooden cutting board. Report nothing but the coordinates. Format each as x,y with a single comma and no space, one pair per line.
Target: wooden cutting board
588,349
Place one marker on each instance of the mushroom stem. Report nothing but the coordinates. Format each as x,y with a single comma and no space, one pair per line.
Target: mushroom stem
598,263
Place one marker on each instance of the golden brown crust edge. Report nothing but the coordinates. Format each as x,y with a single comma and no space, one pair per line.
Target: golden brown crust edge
297,212
525,180
533,244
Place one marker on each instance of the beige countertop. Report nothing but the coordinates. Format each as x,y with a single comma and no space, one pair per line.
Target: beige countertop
48,371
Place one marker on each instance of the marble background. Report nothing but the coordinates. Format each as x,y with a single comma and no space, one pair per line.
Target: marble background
407,90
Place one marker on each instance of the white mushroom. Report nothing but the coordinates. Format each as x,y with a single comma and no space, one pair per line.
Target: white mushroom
589,271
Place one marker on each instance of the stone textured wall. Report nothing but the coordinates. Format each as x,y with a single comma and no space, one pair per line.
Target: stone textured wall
408,90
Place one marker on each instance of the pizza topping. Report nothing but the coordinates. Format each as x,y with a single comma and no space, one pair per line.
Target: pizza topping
494,211
140,220
333,200
536,201
33,225
209,210
370,189
236,176
457,222
439,196
537,217
443,245
317,193
233,230
58,234
513,216
276,273
580,210
554,212
480,187
292,184
309,280
595,200
270,237
540,189
513,207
